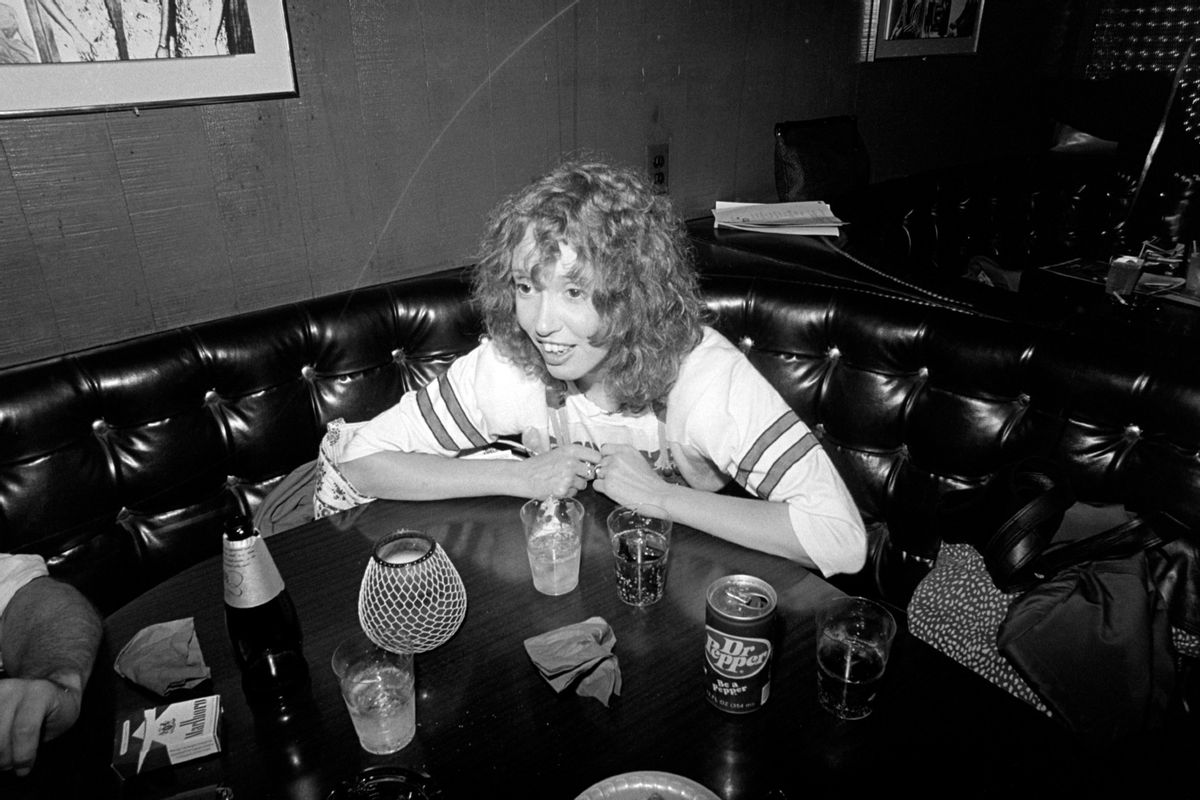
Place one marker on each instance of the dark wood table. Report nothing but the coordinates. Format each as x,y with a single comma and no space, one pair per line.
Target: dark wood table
490,726
1150,321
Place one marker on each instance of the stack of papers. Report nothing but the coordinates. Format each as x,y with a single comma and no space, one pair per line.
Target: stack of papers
803,218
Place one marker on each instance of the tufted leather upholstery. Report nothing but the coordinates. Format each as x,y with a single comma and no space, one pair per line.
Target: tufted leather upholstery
1023,212
121,463
912,400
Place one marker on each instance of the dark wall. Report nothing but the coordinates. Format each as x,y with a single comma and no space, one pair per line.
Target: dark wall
414,118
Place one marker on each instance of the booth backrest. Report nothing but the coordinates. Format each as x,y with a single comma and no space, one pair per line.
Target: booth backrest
1022,212
121,464
913,399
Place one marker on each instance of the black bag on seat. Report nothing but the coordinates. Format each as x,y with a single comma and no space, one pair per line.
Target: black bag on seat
1092,636
1097,628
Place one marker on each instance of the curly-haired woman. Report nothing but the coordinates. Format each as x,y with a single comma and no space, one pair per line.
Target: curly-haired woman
598,358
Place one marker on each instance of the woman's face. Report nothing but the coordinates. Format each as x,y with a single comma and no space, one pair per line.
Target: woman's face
558,316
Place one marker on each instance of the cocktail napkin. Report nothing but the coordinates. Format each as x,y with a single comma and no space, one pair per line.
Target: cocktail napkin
164,657
581,651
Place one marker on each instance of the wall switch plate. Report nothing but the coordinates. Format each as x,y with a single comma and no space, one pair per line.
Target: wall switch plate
658,164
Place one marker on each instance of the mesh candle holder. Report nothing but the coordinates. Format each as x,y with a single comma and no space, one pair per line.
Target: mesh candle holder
412,599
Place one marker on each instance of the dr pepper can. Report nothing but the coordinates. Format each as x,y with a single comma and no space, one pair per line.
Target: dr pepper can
739,643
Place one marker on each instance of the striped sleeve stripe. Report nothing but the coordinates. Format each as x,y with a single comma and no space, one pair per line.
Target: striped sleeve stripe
764,441
425,404
459,416
785,462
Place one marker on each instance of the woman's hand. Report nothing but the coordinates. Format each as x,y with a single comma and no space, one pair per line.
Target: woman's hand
561,472
627,477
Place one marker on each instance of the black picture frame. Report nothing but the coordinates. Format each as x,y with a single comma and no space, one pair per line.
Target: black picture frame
196,51
914,28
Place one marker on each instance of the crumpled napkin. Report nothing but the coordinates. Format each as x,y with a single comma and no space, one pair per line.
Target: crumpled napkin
581,649
164,657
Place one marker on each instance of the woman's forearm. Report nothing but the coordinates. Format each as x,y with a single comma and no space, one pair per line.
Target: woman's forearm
754,523
397,475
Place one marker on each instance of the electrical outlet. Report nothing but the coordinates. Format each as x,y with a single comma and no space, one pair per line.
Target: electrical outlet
658,164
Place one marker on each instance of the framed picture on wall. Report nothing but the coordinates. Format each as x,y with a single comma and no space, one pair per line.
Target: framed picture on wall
65,56
903,28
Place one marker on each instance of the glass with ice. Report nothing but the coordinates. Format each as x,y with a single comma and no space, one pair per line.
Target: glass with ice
377,685
641,542
552,542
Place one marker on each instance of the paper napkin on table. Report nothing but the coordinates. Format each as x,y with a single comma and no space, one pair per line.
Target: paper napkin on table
581,651
164,657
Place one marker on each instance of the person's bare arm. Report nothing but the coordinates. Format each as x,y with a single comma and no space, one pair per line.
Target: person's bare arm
628,479
49,635
398,475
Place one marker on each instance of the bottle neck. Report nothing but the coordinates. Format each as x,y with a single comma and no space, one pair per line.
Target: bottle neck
240,529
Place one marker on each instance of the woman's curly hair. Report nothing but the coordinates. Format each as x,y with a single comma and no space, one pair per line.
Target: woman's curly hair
641,279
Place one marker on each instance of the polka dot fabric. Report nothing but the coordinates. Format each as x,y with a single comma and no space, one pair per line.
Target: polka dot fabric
957,609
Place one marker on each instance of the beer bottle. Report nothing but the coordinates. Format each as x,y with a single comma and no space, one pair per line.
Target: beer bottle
259,615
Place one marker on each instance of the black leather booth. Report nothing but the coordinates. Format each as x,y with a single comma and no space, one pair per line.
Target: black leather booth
1018,212
120,464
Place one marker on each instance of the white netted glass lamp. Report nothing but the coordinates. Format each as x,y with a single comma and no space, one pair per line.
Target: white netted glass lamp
412,599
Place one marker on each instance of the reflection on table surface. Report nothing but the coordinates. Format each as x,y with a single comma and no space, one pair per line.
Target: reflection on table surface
488,724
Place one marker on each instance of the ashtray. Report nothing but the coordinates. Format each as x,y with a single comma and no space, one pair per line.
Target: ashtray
386,783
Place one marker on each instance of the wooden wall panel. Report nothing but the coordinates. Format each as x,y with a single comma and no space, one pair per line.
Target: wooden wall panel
392,86
522,95
566,78
256,194
609,85
457,59
415,117
772,42
703,148
329,156
69,189
28,328
167,182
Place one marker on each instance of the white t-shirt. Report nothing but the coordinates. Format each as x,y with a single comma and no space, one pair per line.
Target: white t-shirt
724,421
15,572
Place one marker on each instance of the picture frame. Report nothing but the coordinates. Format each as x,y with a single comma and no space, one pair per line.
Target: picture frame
915,28
174,52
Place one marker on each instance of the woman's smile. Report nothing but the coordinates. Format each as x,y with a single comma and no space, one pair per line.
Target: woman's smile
555,309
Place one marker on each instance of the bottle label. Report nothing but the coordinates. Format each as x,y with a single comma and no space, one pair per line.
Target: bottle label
251,577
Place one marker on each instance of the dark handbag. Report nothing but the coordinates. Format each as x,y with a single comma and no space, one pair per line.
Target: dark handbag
1092,636
1093,621
1012,519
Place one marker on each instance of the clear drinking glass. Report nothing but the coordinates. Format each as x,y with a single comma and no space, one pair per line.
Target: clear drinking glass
553,543
378,687
641,544
1123,275
854,638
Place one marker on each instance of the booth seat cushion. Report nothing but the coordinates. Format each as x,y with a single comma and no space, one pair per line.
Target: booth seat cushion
912,400
122,463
